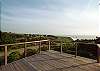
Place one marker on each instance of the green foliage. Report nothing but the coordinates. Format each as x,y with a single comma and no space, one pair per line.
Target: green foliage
87,50
56,48
7,38
86,40
14,56
39,37
65,39
15,47
30,52
1,60
44,48
97,41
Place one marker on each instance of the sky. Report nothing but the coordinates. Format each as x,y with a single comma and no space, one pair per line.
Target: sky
56,17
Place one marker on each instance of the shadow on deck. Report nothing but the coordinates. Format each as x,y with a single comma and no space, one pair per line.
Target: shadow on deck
52,61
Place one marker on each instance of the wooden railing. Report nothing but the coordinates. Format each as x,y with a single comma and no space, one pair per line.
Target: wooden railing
25,45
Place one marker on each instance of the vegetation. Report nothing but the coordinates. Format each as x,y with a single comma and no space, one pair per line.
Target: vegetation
14,56
56,48
30,52
86,40
98,40
86,50
44,47
1,60
7,38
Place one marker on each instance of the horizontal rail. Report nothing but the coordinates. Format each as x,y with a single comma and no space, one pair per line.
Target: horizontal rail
49,46
23,43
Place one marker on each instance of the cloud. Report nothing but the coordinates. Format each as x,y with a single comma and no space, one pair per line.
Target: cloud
51,17
99,17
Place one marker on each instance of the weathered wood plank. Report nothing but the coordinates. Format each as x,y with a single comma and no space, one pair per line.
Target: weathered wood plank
43,65
47,57
35,65
27,66
8,68
2,68
55,55
73,69
50,61
30,63
40,64
11,67
90,67
69,62
14,69
15,66
55,64
19,66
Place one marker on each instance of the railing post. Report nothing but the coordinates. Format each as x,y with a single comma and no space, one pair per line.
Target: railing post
35,43
40,47
5,54
49,46
25,49
61,47
98,53
75,49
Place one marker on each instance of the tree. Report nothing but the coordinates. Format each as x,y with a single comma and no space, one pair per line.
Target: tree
7,38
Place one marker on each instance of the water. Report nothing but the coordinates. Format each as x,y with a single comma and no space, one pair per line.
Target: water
75,37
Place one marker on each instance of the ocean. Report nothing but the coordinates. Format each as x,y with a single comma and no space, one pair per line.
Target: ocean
75,37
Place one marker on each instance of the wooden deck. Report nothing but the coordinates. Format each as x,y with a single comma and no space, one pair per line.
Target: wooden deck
51,61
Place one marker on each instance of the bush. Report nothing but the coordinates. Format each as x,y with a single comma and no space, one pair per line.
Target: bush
44,48
30,52
1,60
14,56
57,48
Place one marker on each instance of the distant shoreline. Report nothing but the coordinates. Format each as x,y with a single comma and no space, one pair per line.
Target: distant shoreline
88,37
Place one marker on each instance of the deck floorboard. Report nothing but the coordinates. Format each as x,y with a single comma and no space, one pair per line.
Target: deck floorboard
51,61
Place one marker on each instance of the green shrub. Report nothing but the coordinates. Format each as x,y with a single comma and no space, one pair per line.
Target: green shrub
44,48
30,52
1,60
57,48
14,56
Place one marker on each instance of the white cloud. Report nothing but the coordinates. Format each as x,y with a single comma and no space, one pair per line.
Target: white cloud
51,20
